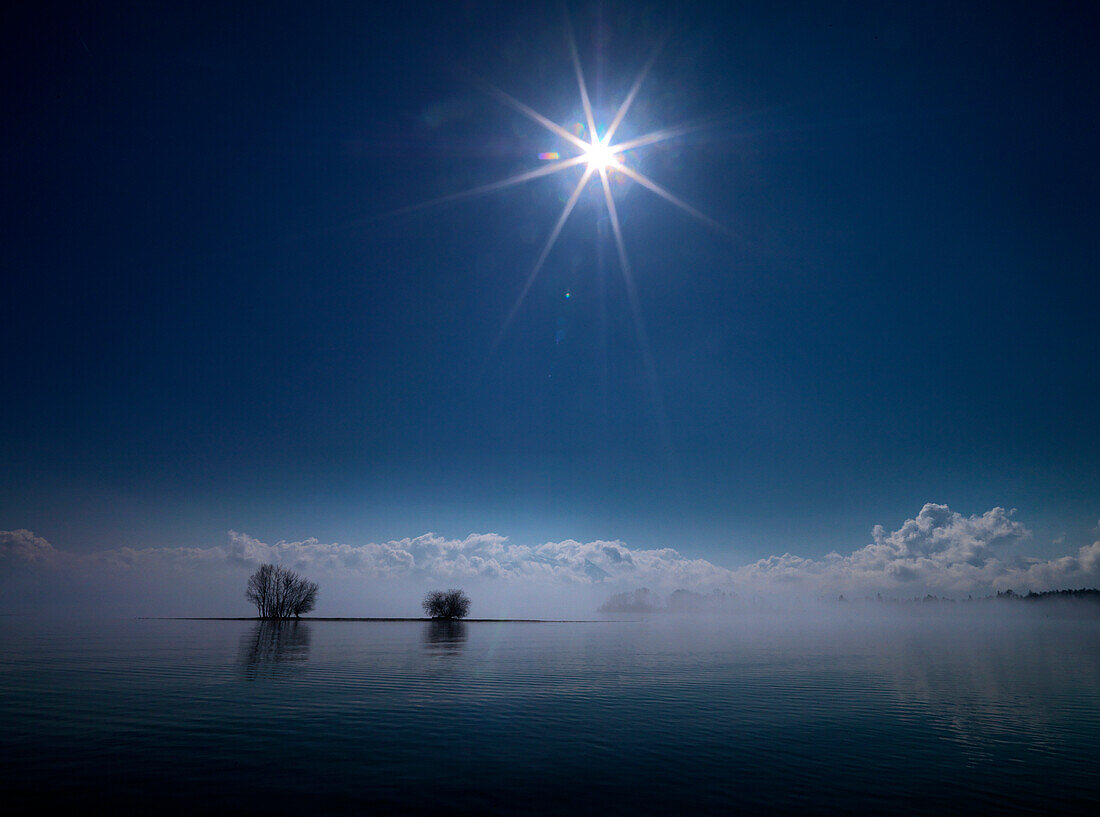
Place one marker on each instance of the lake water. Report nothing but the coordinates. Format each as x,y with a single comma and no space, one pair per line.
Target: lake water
918,714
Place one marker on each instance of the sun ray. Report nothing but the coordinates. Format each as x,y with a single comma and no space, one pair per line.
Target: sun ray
601,158
532,114
569,205
674,199
633,93
492,187
588,115
657,136
624,261
652,383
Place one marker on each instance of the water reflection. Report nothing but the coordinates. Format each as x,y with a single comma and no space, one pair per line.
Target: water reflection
272,648
989,688
444,637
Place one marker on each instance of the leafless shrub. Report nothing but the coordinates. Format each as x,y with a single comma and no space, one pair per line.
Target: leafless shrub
279,592
446,604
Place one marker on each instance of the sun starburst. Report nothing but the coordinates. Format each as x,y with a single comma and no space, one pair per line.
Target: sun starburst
600,157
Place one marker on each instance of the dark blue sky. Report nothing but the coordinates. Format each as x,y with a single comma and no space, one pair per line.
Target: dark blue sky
212,318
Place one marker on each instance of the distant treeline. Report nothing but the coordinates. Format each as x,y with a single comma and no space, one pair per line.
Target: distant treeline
644,600
1087,593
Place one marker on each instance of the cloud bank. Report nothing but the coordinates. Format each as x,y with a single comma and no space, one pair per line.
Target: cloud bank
938,551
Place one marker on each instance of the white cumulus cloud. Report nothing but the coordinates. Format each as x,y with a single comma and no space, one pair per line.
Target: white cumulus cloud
938,551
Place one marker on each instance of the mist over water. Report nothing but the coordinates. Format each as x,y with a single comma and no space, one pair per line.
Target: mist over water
937,553
914,710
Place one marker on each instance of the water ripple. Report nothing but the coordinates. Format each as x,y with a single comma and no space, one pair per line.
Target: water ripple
647,718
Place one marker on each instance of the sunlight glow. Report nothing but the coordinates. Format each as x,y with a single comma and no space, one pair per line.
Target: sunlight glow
600,157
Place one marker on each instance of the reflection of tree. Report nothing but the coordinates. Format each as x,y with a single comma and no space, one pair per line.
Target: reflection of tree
273,647
444,637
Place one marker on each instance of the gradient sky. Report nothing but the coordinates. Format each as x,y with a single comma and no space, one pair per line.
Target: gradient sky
213,319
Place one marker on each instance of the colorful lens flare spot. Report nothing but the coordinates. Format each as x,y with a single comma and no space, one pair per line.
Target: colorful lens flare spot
546,157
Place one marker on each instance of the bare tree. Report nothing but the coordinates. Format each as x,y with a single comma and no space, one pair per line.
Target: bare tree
446,604
279,592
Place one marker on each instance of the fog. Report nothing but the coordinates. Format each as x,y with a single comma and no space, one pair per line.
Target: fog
68,592
872,696
934,558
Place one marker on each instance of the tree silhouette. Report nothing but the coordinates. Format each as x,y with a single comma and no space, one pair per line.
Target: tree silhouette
279,592
446,604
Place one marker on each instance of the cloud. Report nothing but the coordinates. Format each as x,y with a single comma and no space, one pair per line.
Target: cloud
21,547
937,551
488,556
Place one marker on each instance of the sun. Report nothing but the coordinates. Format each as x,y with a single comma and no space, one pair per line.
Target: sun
600,157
